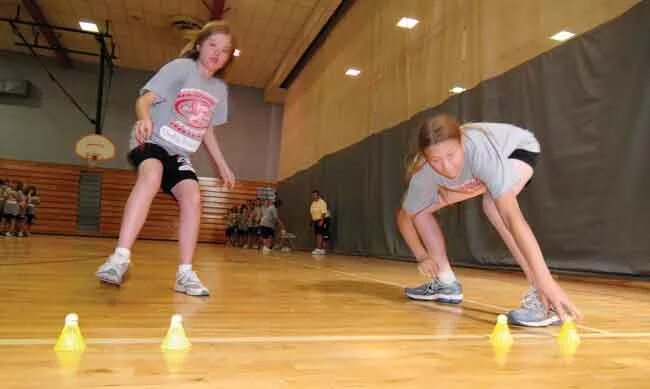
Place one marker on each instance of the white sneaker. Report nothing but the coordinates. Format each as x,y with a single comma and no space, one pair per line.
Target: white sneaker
112,270
316,252
188,282
266,250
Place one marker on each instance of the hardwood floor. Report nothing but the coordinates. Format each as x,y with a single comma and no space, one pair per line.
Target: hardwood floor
289,320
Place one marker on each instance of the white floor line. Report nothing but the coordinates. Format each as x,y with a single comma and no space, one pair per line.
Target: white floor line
487,305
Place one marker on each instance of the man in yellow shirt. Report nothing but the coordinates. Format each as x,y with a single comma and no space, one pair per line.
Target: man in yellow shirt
320,218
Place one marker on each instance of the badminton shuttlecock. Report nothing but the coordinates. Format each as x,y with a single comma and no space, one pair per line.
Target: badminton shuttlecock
175,340
568,338
70,338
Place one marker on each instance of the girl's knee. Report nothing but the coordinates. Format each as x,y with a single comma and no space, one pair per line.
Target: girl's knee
488,204
191,199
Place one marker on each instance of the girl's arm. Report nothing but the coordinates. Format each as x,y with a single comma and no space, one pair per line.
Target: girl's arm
215,151
143,125
551,292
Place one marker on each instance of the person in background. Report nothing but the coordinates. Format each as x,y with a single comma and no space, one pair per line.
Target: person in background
320,219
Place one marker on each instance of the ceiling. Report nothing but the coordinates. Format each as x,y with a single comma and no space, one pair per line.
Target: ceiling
271,34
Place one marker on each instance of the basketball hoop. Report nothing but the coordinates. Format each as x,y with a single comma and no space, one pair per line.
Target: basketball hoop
92,159
95,148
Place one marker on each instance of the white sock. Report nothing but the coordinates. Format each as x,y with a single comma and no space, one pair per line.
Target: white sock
184,267
447,277
121,255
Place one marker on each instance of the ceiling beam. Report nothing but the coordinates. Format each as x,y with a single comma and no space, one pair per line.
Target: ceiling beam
322,12
37,15
218,7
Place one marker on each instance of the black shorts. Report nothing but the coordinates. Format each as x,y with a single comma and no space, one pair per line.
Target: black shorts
252,231
8,217
230,231
323,228
267,232
526,156
30,219
529,157
176,168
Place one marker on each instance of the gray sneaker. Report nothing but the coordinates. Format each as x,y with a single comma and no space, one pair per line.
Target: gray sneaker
434,290
188,282
532,312
112,271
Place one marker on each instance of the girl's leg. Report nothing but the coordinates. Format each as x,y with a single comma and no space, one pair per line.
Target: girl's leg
444,287
188,196
424,228
135,213
137,206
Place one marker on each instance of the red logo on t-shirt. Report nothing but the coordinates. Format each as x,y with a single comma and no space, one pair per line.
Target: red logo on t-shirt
194,108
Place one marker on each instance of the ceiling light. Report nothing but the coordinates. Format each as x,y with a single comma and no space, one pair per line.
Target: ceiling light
407,22
563,36
88,26
457,89
352,72
236,53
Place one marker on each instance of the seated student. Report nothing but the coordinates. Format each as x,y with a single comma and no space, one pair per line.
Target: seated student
231,228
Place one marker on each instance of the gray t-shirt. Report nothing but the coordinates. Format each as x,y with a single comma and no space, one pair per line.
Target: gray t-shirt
188,104
269,217
487,147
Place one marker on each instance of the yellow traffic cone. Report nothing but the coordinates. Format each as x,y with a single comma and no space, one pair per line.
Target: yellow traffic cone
70,338
568,338
175,340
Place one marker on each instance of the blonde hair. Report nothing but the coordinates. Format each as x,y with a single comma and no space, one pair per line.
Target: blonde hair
214,27
433,130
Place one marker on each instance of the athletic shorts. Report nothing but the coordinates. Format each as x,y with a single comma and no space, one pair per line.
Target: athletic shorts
176,168
528,157
323,229
267,232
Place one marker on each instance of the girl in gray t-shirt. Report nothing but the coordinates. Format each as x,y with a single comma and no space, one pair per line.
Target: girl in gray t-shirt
177,111
455,163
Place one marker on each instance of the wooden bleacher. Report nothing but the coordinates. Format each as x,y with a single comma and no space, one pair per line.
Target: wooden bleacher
58,187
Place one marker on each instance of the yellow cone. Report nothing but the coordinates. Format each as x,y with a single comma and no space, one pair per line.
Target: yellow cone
568,338
501,336
70,338
175,340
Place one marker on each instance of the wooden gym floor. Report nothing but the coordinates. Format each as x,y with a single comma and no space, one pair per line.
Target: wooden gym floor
294,321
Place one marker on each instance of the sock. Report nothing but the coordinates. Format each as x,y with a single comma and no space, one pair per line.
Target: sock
121,255
183,267
447,277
